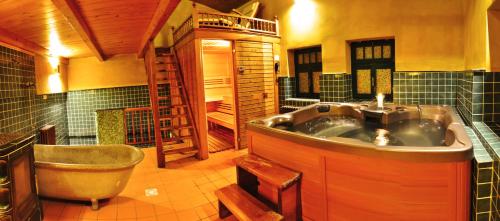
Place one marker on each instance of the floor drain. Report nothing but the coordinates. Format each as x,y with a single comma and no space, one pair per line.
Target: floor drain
151,192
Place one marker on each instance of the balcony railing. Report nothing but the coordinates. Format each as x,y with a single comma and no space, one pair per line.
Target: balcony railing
226,22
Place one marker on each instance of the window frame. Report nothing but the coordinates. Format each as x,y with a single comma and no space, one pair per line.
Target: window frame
373,64
310,69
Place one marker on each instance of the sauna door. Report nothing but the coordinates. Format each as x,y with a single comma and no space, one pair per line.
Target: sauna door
255,84
372,67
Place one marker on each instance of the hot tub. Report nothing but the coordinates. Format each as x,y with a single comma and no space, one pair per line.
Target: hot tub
84,172
363,163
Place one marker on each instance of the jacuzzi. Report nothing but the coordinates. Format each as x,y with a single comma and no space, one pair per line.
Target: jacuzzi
86,173
364,163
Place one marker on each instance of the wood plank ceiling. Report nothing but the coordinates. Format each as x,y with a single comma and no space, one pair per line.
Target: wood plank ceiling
115,26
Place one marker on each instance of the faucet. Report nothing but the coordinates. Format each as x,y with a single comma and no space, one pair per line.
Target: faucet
380,101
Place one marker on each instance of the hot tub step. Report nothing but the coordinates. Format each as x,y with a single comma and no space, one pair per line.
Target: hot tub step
268,171
234,200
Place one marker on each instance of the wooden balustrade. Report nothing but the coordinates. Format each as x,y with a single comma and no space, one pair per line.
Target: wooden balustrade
139,127
227,22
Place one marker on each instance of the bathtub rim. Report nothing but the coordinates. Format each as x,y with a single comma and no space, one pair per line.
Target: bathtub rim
90,167
459,150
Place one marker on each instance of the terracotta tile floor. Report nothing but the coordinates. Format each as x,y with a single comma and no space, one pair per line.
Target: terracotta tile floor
185,192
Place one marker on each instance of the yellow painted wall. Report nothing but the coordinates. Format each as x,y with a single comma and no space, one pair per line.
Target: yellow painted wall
476,49
428,33
118,71
50,80
494,39
179,15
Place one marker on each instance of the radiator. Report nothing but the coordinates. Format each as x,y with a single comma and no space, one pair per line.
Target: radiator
48,135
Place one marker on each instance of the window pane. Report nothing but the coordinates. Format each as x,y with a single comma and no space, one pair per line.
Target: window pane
303,82
316,76
377,52
387,51
359,54
364,81
306,58
368,52
301,59
313,58
384,84
318,57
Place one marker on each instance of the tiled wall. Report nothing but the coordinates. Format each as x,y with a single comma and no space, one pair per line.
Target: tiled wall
478,96
335,87
435,88
286,89
482,182
82,107
21,110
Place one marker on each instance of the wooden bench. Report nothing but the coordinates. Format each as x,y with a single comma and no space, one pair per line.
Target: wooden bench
223,114
275,186
235,200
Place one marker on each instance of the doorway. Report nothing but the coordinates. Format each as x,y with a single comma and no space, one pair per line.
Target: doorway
372,65
218,75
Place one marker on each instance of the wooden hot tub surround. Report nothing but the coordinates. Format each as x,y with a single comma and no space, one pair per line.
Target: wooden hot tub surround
346,179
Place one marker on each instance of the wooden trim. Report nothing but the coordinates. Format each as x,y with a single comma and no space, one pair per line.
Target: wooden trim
202,117
236,106
14,41
71,12
234,35
160,17
324,183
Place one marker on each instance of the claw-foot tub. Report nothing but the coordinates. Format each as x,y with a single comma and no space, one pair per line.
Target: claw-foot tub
84,172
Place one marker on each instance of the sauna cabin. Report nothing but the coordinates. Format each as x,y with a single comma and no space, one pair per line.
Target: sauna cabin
228,63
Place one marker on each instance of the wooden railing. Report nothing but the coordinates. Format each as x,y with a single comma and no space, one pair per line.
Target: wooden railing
139,126
226,21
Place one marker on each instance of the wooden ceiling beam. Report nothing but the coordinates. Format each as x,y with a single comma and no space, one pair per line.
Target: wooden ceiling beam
71,12
161,15
12,40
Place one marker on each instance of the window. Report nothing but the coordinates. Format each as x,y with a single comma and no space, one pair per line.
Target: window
372,67
308,69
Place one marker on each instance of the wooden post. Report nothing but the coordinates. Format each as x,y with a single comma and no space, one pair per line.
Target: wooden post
195,15
173,36
149,61
277,25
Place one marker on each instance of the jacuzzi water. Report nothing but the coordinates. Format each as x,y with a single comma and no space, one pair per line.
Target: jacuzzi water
415,132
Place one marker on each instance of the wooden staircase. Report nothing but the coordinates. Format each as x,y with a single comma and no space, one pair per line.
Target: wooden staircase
174,127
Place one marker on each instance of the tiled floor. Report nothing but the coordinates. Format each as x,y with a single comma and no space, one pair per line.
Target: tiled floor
185,192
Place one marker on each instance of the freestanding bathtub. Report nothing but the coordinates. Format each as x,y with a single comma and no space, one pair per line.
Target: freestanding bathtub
84,172
362,163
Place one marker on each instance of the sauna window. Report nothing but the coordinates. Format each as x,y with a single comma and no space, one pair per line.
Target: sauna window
309,69
372,65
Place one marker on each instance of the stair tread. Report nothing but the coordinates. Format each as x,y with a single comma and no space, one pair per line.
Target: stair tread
243,205
167,150
173,106
176,127
168,117
268,171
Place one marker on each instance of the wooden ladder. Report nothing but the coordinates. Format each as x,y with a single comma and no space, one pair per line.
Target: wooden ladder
174,127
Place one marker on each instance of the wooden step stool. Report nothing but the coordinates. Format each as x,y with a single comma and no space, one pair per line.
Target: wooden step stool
270,184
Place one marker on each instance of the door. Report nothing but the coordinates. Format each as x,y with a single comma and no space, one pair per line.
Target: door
372,68
308,69
255,83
